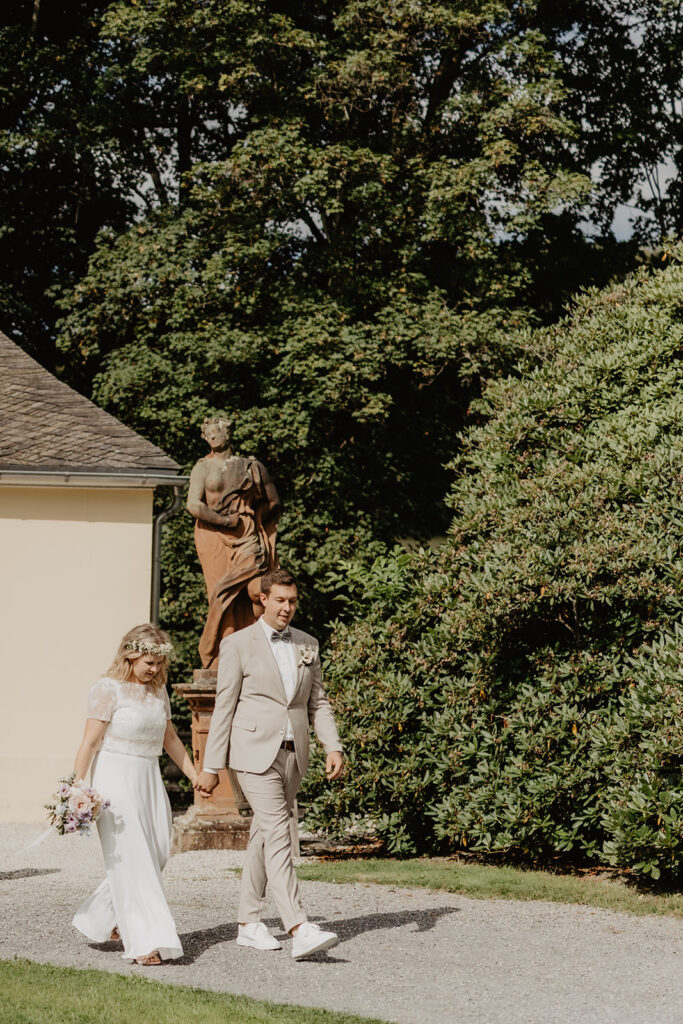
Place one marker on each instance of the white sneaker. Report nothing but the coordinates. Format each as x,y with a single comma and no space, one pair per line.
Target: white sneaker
256,935
310,938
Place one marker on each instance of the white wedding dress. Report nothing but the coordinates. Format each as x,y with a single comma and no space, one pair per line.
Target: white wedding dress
135,831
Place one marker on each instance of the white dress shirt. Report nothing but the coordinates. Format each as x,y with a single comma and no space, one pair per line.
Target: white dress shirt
285,659
286,662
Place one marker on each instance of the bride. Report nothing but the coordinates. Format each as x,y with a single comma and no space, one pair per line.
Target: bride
128,723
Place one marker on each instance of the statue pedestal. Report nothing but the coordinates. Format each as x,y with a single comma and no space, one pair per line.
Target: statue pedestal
222,821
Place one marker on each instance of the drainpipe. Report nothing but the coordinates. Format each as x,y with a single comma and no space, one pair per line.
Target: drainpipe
159,521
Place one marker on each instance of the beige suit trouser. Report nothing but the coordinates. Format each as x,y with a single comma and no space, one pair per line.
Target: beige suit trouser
269,853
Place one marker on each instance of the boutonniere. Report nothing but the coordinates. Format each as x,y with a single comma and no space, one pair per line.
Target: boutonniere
306,655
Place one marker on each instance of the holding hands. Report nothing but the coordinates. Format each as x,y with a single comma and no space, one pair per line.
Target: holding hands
205,783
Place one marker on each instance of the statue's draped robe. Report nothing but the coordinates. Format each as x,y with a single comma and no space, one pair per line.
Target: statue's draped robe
231,557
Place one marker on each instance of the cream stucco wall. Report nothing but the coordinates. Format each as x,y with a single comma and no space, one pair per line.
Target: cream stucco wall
76,571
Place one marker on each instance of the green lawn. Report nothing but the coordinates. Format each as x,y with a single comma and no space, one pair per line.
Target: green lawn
486,882
41,994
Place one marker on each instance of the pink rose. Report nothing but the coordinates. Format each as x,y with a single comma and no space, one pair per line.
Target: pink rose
78,802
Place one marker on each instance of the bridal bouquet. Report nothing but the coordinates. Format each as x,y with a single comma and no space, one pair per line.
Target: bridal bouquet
75,806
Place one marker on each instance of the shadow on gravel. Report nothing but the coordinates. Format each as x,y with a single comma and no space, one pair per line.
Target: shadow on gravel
348,928
106,947
27,873
196,943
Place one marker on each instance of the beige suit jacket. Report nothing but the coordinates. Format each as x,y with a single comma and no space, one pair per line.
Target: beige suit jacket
250,717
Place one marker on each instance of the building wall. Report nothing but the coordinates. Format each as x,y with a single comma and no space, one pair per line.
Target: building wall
75,570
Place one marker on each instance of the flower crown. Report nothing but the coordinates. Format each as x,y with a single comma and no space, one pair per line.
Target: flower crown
148,647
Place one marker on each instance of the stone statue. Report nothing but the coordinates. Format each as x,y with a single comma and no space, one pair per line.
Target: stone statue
236,508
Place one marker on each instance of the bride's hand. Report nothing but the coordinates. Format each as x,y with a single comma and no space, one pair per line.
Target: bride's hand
206,783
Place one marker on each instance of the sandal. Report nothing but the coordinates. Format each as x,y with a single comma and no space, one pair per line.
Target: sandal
115,935
150,960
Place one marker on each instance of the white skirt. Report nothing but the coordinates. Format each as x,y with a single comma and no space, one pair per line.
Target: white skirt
135,833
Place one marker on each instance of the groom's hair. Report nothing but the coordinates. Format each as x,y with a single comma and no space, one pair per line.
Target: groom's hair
276,577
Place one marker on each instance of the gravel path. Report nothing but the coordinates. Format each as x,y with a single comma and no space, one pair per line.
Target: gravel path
411,956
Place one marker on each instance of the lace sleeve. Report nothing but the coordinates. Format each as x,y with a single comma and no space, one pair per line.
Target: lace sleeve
167,705
101,700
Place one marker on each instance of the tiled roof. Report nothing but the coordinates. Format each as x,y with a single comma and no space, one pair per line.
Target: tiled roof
45,424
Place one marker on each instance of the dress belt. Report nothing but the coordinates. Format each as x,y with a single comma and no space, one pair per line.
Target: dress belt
287,745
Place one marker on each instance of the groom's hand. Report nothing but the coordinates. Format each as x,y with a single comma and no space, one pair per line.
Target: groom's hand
334,765
206,783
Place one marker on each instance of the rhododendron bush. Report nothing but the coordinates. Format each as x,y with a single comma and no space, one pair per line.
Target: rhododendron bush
518,692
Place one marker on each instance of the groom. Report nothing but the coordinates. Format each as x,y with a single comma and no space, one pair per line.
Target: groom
269,693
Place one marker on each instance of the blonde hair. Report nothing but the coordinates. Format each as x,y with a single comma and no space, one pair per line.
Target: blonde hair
122,665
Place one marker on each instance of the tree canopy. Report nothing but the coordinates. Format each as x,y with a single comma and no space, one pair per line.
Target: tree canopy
481,119
351,208
61,179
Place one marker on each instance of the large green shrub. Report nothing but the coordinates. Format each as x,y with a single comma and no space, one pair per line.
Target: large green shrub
518,692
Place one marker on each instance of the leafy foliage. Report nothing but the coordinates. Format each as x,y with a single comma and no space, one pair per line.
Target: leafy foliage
642,816
472,125
61,179
624,78
343,270
522,697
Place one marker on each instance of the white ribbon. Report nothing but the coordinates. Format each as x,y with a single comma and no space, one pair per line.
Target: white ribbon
38,840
